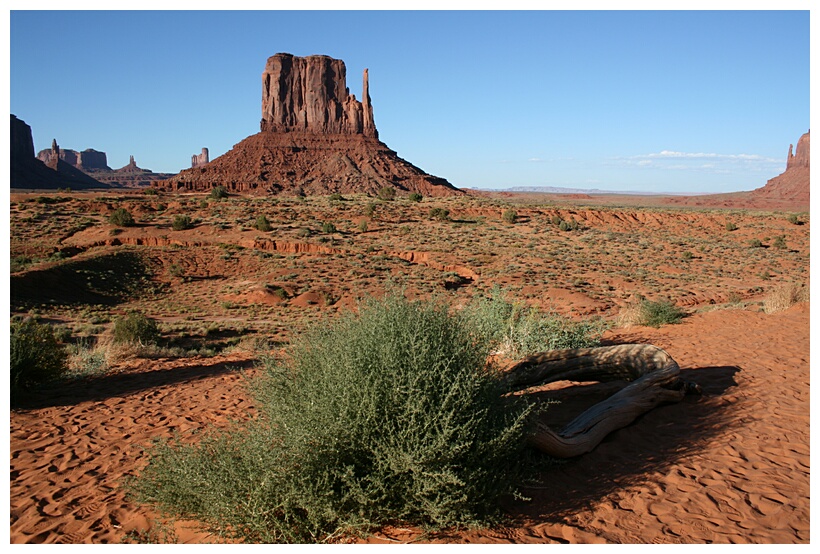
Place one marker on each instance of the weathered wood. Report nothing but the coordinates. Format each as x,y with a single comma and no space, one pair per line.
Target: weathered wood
654,375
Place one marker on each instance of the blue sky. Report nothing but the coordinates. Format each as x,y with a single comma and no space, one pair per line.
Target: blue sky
669,101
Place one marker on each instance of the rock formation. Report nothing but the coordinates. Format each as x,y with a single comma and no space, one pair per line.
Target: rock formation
95,164
793,184
310,94
26,171
198,160
86,160
315,138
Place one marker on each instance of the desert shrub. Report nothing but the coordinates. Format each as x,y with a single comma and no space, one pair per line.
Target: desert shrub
650,313
515,330
121,218
262,224
19,263
510,216
687,256
755,243
388,415
731,226
151,191
779,242
415,197
135,328
387,193
363,226
441,214
218,192
35,355
370,209
181,222
86,359
793,219
328,228
785,296
336,197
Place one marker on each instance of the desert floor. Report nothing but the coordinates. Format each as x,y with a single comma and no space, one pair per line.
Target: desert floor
730,466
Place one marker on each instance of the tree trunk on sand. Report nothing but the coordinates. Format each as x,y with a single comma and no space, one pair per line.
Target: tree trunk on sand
654,379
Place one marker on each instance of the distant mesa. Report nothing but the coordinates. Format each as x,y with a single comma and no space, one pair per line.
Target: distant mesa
788,191
793,185
29,172
198,160
95,164
316,138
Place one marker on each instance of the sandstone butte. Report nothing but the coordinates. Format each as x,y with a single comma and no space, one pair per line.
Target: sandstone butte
792,184
315,138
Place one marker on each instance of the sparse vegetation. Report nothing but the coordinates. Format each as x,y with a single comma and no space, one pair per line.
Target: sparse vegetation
121,218
441,214
515,330
181,222
218,192
135,328
784,297
415,197
387,193
328,228
731,226
35,355
510,216
651,313
262,224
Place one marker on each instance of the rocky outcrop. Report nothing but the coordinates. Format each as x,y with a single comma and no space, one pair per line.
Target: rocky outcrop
793,185
26,171
198,160
316,138
310,94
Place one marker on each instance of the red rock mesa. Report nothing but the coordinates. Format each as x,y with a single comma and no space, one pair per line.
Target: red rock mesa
316,138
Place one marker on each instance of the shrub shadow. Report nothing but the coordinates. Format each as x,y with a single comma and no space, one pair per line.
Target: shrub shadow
70,393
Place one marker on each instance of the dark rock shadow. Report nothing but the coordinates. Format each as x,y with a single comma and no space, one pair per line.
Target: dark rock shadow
652,444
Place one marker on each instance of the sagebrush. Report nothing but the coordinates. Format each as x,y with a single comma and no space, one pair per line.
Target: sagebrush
389,415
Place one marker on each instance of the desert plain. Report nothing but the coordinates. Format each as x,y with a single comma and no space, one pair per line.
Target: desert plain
728,466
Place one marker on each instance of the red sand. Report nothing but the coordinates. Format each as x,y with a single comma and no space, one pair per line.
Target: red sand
731,466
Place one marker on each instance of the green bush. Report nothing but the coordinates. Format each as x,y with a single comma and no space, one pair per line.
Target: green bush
181,222
755,243
389,415
370,209
793,219
415,197
441,214
780,242
336,197
262,224
328,228
387,193
35,355
515,330
218,192
135,328
121,218
510,216
655,314
731,226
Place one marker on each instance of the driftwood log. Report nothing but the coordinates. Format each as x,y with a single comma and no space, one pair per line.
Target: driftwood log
654,378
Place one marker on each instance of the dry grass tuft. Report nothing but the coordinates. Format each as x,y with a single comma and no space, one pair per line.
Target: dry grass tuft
785,296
